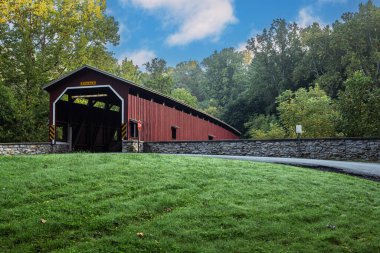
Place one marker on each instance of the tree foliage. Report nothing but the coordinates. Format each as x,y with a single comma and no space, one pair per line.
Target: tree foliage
287,57
40,40
185,96
312,109
359,104
211,107
7,114
224,74
264,127
129,71
336,52
158,76
276,51
189,75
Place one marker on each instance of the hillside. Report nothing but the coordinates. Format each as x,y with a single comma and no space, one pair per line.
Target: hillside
161,203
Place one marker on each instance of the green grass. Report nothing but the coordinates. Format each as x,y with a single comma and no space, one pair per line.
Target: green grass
99,202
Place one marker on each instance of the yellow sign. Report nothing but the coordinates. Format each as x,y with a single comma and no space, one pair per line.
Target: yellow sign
124,131
52,132
87,83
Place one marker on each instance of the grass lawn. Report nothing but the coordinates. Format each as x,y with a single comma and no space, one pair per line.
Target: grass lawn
100,202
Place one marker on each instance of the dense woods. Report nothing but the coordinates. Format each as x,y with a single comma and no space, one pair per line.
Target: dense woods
325,77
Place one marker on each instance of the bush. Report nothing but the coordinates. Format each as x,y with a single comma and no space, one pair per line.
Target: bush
264,127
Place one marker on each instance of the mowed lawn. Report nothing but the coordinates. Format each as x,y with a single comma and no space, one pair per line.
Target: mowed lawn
161,203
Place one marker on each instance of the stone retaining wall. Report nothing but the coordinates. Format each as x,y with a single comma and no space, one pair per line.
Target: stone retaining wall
132,146
32,148
332,148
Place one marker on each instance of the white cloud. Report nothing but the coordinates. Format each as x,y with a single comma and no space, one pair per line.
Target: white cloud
306,17
124,33
139,57
122,28
195,19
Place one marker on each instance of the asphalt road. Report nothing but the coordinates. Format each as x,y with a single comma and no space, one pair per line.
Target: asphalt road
366,170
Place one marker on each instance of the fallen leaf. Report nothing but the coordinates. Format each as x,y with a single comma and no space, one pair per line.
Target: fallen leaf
43,221
331,226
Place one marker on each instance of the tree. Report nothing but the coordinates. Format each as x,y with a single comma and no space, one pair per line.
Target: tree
237,112
264,127
185,96
40,40
213,110
211,107
158,77
129,71
359,104
321,61
312,109
189,75
224,74
277,51
359,36
333,53
7,114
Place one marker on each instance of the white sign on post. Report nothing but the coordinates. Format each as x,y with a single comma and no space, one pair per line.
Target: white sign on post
298,129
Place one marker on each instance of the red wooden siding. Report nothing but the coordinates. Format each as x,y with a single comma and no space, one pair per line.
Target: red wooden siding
157,120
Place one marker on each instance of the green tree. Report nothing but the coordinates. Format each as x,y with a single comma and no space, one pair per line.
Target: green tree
224,74
277,51
264,127
7,115
129,71
39,41
312,109
320,63
335,52
287,57
237,112
359,105
158,76
189,75
213,110
211,107
185,96
358,34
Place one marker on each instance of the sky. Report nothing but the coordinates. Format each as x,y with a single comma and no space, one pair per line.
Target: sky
182,30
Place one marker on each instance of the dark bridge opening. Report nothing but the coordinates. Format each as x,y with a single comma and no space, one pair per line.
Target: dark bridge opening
89,118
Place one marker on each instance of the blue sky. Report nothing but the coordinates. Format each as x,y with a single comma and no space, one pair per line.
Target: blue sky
181,30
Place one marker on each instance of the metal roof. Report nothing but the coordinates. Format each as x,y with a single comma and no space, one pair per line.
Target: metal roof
128,82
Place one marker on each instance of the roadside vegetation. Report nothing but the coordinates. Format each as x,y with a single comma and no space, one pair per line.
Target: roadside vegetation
163,203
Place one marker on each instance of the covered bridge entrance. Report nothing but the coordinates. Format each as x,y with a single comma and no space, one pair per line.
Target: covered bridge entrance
89,118
87,110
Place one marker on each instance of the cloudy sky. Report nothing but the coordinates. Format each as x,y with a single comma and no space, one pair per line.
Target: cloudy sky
180,30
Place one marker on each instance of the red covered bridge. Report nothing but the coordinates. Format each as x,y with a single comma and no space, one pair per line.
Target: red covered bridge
94,110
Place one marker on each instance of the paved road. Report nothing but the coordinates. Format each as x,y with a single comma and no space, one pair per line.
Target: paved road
367,170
